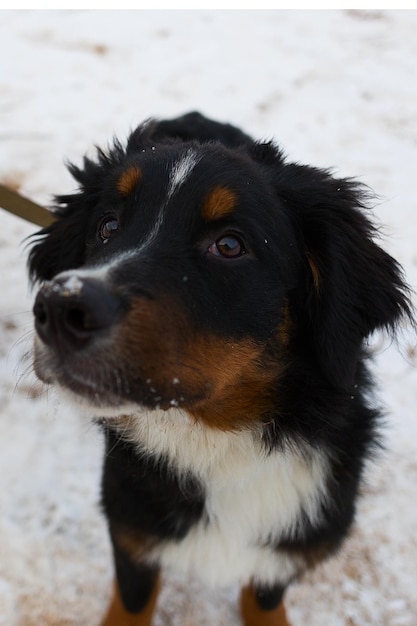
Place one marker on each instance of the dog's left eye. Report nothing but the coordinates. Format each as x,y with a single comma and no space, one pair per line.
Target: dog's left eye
108,227
228,247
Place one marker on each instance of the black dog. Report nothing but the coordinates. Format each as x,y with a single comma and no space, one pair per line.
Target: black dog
209,302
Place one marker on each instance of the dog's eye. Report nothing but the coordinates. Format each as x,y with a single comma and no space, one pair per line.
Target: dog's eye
107,228
228,247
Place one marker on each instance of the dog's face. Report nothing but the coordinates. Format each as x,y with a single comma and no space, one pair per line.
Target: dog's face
192,275
182,283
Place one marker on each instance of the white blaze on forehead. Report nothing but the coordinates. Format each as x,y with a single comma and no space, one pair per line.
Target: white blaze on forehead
181,170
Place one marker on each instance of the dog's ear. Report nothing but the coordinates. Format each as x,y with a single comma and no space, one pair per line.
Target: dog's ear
350,285
60,247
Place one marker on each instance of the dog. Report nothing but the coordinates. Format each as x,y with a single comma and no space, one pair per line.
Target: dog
209,304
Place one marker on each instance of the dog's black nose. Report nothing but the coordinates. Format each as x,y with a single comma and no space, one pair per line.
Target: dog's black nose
71,311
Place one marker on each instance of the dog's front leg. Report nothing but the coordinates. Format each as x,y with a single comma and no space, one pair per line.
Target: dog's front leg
263,607
135,592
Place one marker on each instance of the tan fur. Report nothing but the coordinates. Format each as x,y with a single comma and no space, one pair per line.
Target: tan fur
219,203
222,382
118,616
254,616
128,180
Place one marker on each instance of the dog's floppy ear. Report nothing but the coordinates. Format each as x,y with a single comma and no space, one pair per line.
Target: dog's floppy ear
60,247
351,285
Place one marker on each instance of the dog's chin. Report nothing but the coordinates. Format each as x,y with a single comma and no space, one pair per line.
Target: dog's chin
76,386
86,396
93,403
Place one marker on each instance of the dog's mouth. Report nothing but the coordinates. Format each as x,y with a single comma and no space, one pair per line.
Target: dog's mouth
102,381
79,380
90,390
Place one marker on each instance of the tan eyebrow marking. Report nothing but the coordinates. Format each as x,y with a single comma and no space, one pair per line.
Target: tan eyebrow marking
128,180
219,203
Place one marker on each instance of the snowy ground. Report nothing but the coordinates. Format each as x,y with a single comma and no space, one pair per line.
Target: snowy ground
335,88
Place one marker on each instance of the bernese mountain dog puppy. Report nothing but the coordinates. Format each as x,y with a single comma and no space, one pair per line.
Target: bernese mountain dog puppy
209,303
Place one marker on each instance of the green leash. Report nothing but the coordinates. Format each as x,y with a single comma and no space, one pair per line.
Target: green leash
26,209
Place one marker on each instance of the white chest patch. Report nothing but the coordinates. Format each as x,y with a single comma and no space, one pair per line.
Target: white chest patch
251,497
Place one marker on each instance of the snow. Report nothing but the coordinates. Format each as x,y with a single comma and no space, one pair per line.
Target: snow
335,88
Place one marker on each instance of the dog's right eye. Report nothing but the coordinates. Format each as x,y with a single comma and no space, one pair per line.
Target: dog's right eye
228,247
108,227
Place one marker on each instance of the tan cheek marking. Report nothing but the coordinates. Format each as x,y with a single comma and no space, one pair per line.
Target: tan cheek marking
224,383
128,180
219,203
151,341
241,378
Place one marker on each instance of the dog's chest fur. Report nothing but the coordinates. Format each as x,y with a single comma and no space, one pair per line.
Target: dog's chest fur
252,498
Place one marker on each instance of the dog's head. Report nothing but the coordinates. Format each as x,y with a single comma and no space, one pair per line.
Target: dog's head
193,272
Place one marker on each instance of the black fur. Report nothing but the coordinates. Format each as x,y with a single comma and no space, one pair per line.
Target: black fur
141,494
315,267
136,580
268,598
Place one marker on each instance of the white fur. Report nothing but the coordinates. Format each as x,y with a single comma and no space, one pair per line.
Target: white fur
181,170
251,497
99,273
178,175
